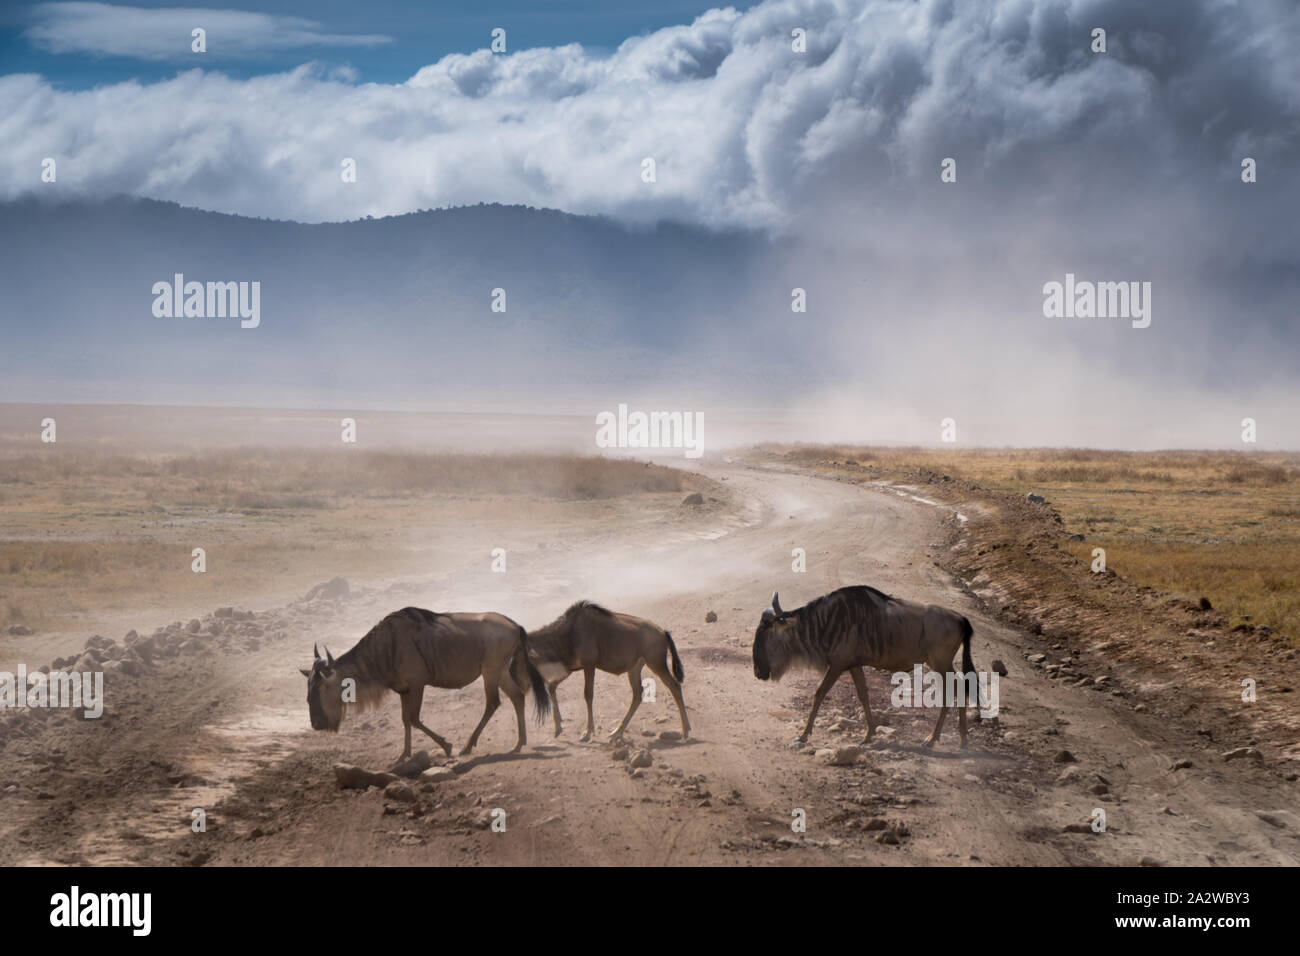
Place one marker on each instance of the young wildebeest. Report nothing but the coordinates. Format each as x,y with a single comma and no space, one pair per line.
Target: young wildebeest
587,637
859,627
414,648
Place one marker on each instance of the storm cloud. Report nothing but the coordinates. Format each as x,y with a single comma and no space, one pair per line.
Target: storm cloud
924,296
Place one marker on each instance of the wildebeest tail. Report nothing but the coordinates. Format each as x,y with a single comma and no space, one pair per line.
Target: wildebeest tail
678,671
967,665
526,673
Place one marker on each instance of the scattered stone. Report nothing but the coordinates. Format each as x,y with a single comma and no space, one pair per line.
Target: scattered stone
438,775
1063,756
844,756
641,758
356,778
1182,764
1272,819
693,499
1068,775
414,765
402,792
1150,861
194,626
1035,498
1205,604
1037,658
621,753
711,618
999,668
19,630
670,735
1251,753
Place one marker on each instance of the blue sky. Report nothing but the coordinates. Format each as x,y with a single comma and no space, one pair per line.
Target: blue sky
414,34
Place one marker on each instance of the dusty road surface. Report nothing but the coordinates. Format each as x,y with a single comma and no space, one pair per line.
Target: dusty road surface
223,727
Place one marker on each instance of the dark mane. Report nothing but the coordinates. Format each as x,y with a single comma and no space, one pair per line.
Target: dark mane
824,620
584,605
559,632
367,659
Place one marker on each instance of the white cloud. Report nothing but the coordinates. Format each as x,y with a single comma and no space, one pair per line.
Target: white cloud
743,130
165,34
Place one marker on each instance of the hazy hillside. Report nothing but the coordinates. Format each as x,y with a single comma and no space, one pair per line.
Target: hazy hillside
373,310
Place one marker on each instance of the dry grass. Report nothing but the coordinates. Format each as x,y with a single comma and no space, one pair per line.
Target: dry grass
82,531
1223,525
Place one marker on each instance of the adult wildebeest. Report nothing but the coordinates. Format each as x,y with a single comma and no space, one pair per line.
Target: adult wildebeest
588,637
857,627
412,649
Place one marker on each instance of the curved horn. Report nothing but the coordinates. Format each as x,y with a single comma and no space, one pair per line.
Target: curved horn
329,658
776,605
315,652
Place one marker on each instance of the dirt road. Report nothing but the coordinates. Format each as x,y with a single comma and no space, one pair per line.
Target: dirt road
225,729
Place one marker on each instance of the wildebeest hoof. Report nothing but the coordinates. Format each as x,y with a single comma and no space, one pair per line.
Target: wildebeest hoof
464,751
585,737
446,750
928,743
801,739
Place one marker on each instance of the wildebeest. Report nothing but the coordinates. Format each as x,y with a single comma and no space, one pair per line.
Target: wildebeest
412,649
857,627
587,638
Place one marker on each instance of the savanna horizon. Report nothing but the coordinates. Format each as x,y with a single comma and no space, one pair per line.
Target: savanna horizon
103,510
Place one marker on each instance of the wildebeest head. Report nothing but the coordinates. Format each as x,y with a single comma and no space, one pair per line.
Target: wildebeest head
324,692
771,643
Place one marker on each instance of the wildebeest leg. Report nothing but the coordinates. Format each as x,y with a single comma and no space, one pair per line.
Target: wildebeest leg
961,725
493,702
633,678
827,683
665,675
555,705
517,699
860,684
406,725
589,691
938,728
412,700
